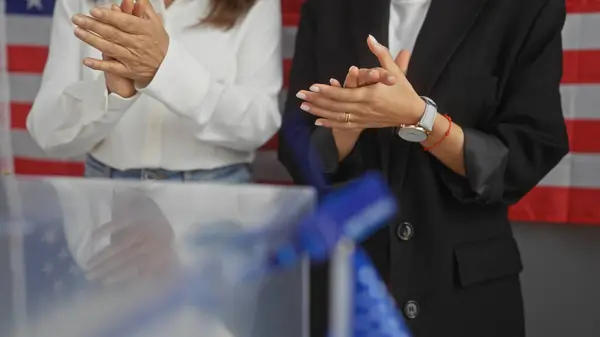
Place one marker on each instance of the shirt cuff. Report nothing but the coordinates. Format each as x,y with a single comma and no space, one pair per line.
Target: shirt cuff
485,159
99,103
180,82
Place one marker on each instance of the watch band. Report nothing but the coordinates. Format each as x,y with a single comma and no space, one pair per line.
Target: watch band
428,118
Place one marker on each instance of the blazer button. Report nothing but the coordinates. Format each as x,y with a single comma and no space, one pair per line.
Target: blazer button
405,231
411,309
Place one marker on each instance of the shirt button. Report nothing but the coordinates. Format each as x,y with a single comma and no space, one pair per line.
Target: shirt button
405,231
411,309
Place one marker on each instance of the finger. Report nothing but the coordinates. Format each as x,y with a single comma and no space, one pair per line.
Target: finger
323,113
107,229
351,80
113,252
383,55
106,47
351,126
105,31
347,95
375,75
402,60
148,12
323,102
127,6
123,21
122,259
335,82
109,66
332,124
137,10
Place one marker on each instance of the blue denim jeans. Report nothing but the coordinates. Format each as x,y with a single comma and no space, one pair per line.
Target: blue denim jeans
235,174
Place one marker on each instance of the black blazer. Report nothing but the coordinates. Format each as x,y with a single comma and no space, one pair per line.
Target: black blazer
494,66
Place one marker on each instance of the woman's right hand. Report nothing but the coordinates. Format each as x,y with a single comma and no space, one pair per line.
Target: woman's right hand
345,140
121,86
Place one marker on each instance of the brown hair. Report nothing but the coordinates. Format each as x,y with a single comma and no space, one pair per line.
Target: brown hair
226,13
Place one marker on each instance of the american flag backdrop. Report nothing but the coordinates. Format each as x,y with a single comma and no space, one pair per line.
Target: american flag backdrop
568,194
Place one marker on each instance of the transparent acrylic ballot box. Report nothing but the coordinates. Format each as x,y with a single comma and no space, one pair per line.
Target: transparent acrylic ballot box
92,258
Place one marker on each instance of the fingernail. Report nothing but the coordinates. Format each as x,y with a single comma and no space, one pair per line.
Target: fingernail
87,62
300,95
304,107
76,19
373,38
318,122
314,88
391,78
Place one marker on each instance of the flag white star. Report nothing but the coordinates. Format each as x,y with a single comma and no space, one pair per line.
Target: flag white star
49,237
37,4
48,268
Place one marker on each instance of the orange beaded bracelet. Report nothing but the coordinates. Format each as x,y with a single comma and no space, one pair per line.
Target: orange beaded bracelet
445,135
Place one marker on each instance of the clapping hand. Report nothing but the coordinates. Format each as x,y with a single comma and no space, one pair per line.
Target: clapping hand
133,46
142,243
384,98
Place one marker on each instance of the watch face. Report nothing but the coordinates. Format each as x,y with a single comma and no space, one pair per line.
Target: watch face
412,134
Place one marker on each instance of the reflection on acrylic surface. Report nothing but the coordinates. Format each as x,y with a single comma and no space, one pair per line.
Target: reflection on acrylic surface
101,258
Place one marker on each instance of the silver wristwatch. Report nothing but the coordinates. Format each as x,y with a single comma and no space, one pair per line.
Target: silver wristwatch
420,131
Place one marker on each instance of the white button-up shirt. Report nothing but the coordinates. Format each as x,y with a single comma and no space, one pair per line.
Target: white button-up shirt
213,101
406,19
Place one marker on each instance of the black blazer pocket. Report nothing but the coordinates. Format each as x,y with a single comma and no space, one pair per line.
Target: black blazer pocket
487,260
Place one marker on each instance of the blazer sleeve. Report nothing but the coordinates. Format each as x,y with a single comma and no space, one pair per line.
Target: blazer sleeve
309,152
527,137
70,116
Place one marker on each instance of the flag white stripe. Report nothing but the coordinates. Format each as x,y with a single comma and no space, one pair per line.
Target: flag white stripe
576,170
580,101
581,31
24,87
288,42
20,27
28,29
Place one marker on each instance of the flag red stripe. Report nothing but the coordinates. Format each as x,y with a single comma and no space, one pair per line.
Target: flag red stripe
543,204
581,66
18,114
290,19
26,59
272,144
577,206
583,6
287,66
48,167
583,135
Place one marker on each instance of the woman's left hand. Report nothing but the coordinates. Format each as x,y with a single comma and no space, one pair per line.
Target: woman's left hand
373,106
138,45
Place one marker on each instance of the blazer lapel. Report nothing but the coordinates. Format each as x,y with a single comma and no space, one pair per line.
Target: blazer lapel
369,17
446,24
